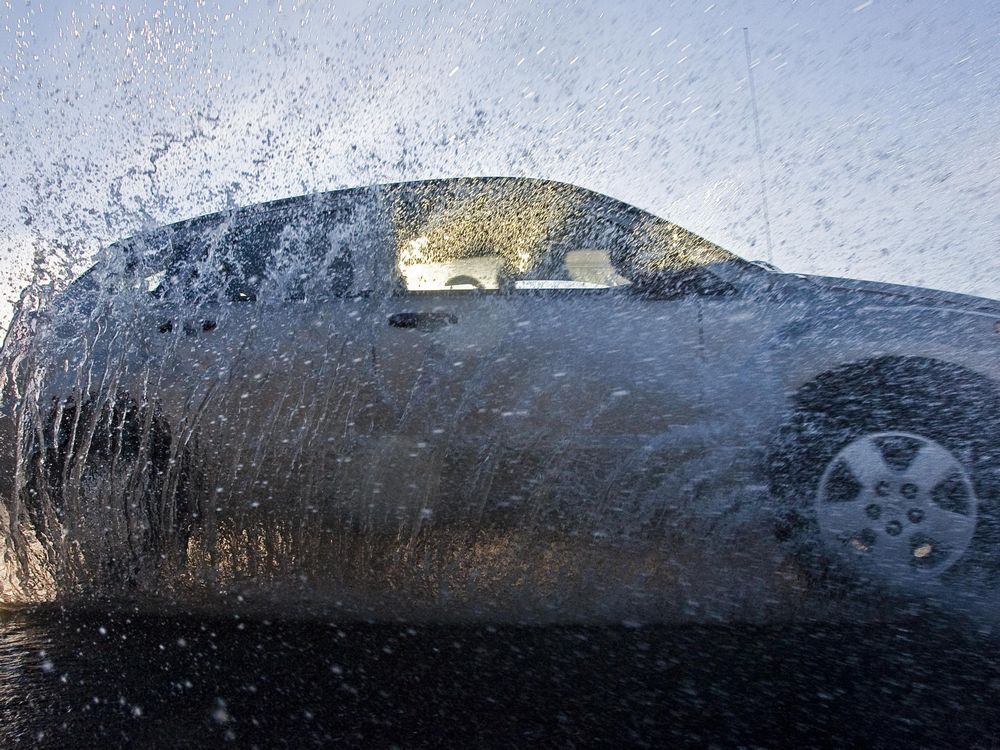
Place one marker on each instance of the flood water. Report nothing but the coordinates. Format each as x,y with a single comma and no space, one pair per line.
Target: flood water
100,679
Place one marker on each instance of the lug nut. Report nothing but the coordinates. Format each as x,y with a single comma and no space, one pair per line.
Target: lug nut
909,490
882,488
873,511
893,528
915,515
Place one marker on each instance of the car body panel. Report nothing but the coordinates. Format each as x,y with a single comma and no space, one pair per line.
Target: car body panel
554,441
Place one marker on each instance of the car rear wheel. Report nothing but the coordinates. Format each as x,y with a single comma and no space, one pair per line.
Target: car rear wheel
107,491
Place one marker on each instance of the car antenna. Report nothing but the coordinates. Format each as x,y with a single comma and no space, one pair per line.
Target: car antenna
760,148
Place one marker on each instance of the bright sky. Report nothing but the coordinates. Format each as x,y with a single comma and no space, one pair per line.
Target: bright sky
879,118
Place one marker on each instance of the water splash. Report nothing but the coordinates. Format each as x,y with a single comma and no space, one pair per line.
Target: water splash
218,409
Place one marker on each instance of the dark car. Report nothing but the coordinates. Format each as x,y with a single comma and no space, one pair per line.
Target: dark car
493,395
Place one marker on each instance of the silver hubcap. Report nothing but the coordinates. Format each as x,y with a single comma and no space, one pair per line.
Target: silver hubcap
898,504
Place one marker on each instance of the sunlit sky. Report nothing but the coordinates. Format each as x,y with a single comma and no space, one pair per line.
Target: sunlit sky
879,118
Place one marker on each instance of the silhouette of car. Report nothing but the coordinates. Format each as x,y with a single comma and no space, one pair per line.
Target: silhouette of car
475,382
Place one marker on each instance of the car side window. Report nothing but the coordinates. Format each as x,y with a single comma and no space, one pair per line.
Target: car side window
495,236
288,256
192,270
278,255
504,236
307,262
586,268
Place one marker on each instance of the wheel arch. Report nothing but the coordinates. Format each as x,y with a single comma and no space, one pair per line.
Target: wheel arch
888,371
90,426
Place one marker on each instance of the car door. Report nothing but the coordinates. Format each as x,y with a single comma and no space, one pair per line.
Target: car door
598,396
520,394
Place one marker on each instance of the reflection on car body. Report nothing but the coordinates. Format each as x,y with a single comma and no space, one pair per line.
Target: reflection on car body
492,393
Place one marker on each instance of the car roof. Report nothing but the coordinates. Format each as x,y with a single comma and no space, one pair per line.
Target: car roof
584,200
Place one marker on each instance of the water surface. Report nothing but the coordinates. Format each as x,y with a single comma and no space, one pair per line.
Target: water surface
89,679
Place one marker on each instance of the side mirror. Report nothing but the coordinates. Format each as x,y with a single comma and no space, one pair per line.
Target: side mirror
687,283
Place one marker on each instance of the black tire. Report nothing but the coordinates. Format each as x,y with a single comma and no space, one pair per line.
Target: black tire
69,490
943,403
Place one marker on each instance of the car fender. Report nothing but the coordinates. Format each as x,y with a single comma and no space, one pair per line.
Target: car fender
806,347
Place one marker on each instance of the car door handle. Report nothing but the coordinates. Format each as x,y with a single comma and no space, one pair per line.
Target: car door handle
191,327
422,321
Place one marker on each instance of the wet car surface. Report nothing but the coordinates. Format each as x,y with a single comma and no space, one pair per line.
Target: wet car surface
494,462
495,398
